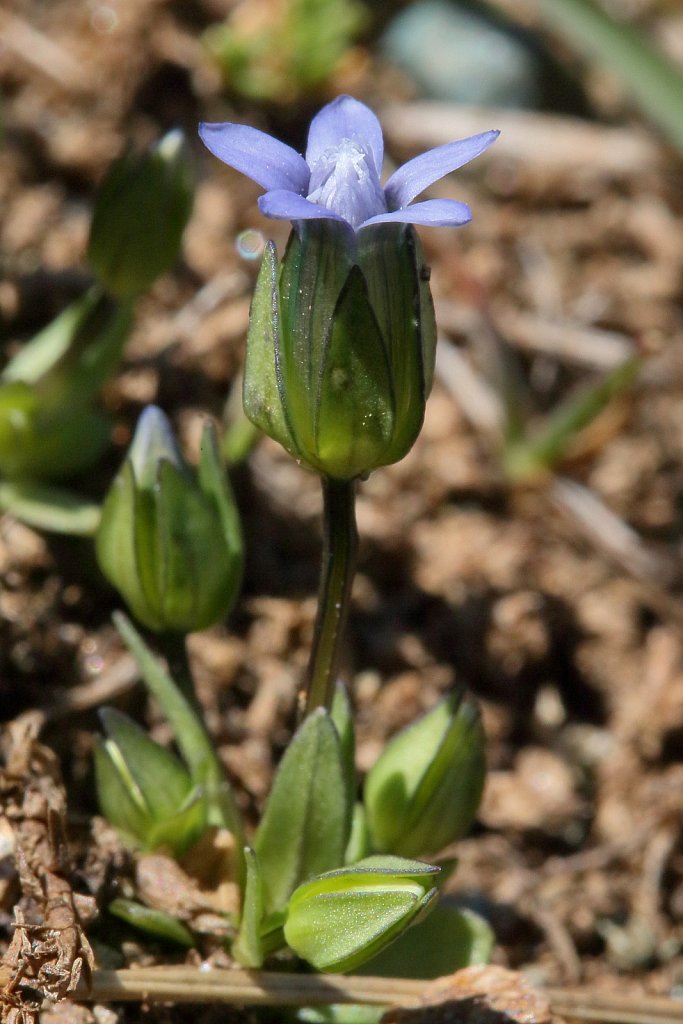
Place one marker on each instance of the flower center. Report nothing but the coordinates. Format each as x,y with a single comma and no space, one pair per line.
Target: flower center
344,180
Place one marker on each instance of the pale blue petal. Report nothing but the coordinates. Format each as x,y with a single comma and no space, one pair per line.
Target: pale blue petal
283,205
345,118
421,172
435,213
267,161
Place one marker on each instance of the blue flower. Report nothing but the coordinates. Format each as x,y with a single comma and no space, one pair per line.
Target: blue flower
340,177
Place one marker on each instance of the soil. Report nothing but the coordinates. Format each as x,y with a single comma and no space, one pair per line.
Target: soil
557,601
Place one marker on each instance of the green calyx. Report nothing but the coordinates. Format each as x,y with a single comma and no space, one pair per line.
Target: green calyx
169,539
341,343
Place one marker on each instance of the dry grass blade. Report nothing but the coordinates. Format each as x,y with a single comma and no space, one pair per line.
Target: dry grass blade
254,988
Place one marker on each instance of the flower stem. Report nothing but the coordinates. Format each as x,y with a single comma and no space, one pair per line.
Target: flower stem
340,542
174,649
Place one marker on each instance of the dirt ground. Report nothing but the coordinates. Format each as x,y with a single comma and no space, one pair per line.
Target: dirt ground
558,603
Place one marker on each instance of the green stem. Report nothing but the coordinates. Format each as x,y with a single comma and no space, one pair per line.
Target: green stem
340,542
174,648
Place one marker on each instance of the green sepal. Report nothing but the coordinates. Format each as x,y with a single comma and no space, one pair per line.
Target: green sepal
121,521
262,389
355,401
169,538
314,270
152,922
191,736
424,790
448,939
215,483
339,919
305,824
190,575
247,948
392,262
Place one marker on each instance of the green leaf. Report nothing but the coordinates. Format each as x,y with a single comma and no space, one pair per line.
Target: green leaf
247,947
159,776
359,844
529,456
153,922
71,358
448,939
355,401
49,508
305,825
120,801
191,736
655,82
340,919
342,719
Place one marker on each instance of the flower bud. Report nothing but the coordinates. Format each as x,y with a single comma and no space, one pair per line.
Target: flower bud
340,919
423,791
141,210
340,352
50,427
169,539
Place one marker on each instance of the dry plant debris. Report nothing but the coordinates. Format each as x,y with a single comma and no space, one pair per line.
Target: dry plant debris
49,952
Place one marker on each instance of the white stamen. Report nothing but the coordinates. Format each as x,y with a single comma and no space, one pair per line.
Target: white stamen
344,180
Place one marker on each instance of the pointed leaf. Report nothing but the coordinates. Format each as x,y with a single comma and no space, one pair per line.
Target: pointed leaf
191,736
248,948
342,718
49,508
340,919
120,802
305,825
448,939
153,922
160,777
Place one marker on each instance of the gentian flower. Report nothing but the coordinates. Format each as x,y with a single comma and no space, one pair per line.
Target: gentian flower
339,179
341,344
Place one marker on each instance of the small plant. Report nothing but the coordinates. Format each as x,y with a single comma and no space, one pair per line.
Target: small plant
278,50
51,424
339,364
